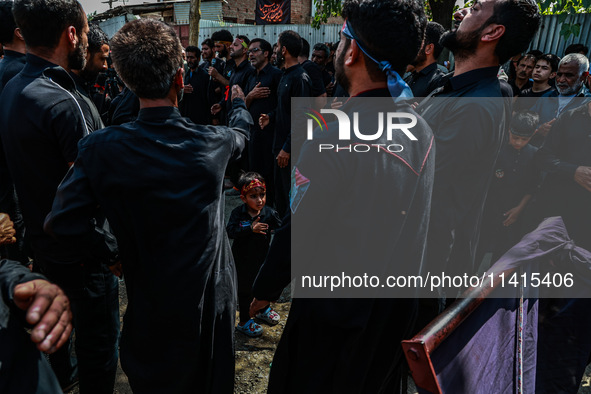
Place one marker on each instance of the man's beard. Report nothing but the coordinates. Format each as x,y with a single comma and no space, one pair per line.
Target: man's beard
571,89
339,67
462,45
421,58
77,58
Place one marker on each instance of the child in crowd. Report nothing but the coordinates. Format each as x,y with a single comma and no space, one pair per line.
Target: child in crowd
250,226
514,182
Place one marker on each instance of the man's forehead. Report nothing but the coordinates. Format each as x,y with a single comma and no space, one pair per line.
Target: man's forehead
570,66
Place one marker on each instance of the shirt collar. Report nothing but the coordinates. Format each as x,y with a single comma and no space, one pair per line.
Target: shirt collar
158,114
470,77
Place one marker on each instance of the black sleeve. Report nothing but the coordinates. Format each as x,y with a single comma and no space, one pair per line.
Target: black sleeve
13,273
234,229
274,220
549,155
71,219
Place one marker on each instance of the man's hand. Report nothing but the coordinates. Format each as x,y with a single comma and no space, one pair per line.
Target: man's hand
544,129
188,89
215,109
330,89
258,227
511,216
237,93
283,159
48,310
116,269
336,104
213,73
264,121
256,306
583,177
259,92
7,230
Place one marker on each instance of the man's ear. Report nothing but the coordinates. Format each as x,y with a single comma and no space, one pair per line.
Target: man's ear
552,75
178,78
429,48
492,32
17,32
352,53
72,36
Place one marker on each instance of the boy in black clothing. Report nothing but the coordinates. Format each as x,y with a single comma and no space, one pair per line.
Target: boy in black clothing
513,184
250,226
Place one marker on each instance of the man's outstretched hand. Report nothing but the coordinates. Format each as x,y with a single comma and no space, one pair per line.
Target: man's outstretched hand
48,310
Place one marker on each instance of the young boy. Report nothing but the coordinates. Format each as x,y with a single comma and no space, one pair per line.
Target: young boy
250,226
514,181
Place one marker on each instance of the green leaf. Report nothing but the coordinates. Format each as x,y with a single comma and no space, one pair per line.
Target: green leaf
561,18
565,31
586,3
576,29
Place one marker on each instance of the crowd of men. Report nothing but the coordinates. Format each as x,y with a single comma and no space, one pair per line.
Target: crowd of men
115,154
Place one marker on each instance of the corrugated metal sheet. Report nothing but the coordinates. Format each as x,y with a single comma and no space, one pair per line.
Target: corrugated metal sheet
181,13
548,39
211,10
326,33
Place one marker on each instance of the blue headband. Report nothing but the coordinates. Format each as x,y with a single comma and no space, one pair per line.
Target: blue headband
396,85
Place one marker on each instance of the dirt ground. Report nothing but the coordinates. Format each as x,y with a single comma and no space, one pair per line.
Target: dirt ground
254,355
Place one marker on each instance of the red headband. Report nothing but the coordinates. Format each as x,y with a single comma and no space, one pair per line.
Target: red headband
253,184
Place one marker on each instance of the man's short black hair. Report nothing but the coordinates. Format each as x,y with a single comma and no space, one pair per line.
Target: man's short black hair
535,52
147,55
527,56
322,47
264,45
521,19
194,49
391,30
433,33
291,41
96,38
305,52
222,35
209,42
42,22
552,60
524,123
576,48
7,23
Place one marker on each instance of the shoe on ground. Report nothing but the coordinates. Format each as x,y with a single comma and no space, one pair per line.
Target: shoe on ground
269,316
251,329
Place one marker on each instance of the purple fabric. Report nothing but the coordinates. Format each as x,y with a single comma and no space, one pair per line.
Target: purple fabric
480,356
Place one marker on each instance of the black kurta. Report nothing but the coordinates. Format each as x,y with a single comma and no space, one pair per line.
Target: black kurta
351,345
159,182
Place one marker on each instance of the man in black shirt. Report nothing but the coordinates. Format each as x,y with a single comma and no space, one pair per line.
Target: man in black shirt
159,182
13,62
318,89
41,123
320,55
96,62
523,72
294,83
468,117
426,76
14,45
194,104
261,98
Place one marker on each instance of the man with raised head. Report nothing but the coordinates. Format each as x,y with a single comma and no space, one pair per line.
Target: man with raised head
468,117
426,75
41,123
355,211
159,182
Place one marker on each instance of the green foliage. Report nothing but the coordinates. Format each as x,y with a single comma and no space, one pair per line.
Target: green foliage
91,16
563,8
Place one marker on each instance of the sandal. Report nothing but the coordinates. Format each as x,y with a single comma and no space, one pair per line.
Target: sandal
269,316
251,329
